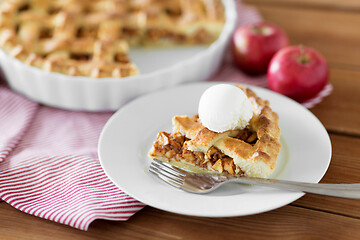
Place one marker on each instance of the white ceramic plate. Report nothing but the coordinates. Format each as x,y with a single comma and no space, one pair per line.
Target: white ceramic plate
129,134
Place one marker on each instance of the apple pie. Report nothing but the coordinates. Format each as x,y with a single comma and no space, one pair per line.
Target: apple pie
251,151
92,38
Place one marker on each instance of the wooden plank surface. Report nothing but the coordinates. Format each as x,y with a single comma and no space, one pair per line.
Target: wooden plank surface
340,112
331,27
289,222
344,168
343,5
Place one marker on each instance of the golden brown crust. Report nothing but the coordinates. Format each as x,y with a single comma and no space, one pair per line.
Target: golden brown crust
254,156
91,38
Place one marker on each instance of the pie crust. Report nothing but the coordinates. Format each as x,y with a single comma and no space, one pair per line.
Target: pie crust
251,152
92,38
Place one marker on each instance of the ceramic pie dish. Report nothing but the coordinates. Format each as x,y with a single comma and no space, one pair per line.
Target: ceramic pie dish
158,69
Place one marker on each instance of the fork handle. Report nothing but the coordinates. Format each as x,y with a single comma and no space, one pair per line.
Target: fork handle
336,190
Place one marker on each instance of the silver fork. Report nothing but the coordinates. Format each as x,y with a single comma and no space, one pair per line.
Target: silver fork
204,183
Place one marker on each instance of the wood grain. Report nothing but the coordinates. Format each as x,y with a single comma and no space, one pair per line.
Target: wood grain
285,223
340,112
343,5
344,168
288,222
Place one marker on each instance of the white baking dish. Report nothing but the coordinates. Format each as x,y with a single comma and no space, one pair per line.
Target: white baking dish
84,93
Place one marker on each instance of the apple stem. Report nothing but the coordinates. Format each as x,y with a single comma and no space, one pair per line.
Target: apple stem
256,29
303,59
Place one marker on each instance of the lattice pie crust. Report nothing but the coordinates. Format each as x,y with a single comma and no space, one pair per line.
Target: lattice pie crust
92,37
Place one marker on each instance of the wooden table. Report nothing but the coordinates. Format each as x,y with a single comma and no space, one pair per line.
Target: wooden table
331,27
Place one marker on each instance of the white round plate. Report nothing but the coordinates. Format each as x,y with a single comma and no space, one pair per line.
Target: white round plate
128,135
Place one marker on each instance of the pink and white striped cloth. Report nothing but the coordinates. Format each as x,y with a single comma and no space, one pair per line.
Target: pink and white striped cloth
49,164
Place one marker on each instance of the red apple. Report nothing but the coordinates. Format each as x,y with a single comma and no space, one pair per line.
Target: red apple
255,44
298,72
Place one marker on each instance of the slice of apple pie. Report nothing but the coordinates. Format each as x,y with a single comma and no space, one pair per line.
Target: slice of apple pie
251,151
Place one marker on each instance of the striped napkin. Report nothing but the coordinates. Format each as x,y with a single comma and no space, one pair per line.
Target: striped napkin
50,166
49,163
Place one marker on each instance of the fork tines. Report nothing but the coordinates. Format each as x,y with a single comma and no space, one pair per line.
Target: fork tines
167,173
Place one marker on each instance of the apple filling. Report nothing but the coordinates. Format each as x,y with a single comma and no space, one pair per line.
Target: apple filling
199,37
171,146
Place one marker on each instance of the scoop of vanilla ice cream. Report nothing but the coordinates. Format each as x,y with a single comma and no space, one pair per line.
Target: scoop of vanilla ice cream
224,107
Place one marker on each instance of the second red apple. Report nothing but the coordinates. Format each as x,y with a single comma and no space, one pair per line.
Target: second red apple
255,44
298,72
